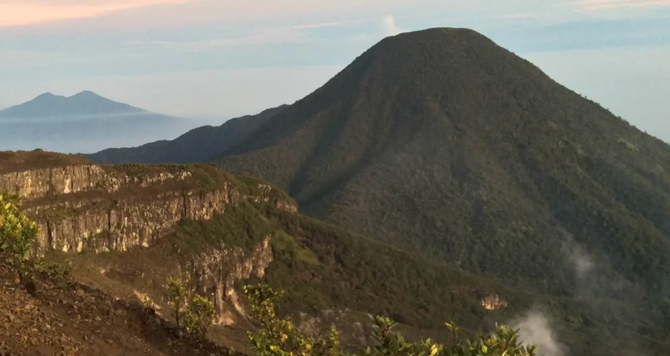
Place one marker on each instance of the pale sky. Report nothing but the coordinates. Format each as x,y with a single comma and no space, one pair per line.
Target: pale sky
226,58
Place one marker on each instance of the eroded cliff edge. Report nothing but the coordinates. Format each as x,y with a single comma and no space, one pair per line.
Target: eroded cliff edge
82,206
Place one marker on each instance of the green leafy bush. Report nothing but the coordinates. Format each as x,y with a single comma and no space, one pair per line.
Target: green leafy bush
192,312
199,315
17,233
177,299
280,337
54,268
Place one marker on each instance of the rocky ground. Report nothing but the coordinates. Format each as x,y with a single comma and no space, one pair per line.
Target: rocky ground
57,316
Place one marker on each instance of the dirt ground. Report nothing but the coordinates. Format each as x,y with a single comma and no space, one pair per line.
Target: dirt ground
61,317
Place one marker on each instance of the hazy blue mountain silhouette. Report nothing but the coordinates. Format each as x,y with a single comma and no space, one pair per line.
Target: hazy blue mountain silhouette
84,122
85,103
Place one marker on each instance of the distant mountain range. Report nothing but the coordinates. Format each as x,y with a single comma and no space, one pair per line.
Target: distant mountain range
85,122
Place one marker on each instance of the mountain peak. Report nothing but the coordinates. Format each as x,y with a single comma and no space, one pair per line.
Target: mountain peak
45,95
85,103
434,70
87,94
436,32
444,49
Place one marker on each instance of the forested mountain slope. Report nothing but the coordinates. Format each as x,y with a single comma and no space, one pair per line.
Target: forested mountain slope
445,144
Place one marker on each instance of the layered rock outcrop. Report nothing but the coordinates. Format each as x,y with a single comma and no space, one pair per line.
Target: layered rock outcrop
215,272
89,207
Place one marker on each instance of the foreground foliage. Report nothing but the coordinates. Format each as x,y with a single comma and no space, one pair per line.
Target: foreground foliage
191,311
17,234
280,337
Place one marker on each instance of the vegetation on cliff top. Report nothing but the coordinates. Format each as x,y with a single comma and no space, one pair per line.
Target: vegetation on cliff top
201,177
16,161
145,183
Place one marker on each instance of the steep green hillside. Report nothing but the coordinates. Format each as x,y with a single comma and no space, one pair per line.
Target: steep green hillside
445,144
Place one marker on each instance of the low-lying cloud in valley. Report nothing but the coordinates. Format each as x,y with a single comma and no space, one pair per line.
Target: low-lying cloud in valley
535,326
535,329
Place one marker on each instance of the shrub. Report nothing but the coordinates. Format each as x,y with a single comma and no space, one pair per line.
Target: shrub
199,315
191,311
177,299
53,268
280,337
17,234
147,302
503,342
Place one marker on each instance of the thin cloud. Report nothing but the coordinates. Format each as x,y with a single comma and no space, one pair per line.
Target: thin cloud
30,12
317,25
594,5
15,59
281,35
520,15
148,44
106,15
21,13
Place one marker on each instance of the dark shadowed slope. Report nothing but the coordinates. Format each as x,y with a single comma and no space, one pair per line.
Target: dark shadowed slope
84,122
444,143
197,145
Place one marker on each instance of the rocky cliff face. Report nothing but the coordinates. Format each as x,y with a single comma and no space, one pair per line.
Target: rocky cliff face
114,208
82,206
215,272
